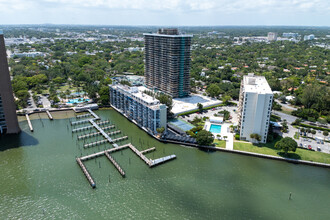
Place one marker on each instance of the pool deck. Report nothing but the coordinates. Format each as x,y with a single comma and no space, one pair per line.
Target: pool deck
225,131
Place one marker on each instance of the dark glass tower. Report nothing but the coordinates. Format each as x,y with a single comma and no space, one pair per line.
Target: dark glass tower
167,62
8,118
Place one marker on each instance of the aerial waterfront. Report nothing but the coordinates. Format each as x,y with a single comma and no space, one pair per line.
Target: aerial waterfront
41,180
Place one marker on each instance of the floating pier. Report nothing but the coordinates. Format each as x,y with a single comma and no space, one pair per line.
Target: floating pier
85,171
120,170
49,115
29,122
162,160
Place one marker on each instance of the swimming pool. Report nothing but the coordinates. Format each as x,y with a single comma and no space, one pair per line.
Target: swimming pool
215,128
77,100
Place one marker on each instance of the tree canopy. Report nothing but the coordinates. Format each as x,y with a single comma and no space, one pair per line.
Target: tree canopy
286,144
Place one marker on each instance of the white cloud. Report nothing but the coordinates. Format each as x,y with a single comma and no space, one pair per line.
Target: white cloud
176,5
165,11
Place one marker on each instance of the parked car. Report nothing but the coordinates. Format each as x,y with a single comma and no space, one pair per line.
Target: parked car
310,147
318,149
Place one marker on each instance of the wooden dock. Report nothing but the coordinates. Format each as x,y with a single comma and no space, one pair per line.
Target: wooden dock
79,122
90,127
104,141
97,134
83,116
137,152
49,115
148,150
92,113
120,170
29,122
85,171
101,153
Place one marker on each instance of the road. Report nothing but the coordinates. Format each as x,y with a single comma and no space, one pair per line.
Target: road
287,106
45,102
33,104
291,132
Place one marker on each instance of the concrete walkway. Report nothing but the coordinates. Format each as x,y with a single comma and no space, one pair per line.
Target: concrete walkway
230,141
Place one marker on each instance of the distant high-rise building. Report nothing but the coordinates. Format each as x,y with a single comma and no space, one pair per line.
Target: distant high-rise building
8,118
309,37
290,34
167,62
272,36
255,105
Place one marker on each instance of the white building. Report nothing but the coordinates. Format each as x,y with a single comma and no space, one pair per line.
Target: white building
309,37
272,36
144,110
255,105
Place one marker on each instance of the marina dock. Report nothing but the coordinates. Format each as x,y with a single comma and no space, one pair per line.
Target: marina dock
101,131
148,150
83,116
29,122
120,170
162,160
97,134
137,152
85,171
104,141
49,115
94,115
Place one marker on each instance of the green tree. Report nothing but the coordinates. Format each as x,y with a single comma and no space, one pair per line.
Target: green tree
313,132
104,95
204,138
213,90
325,133
286,144
200,107
160,130
226,99
255,136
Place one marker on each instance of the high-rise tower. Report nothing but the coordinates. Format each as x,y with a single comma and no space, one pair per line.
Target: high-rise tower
255,106
8,118
167,62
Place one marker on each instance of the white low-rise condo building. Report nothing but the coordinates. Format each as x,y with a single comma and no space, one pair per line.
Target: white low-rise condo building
255,105
144,110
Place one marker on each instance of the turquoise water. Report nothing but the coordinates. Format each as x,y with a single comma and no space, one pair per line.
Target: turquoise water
77,100
41,180
215,128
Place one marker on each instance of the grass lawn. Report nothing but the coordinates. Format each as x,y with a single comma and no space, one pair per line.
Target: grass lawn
269,149
221,144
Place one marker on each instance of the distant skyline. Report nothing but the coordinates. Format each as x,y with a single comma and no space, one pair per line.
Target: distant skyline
167,12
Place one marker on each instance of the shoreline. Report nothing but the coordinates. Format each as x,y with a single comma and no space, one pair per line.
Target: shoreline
265,156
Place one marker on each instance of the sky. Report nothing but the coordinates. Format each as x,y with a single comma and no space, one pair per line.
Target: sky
167,12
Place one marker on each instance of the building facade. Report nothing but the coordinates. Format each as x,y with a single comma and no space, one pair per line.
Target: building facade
144,110
272,36
255,105
167,62
8,118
